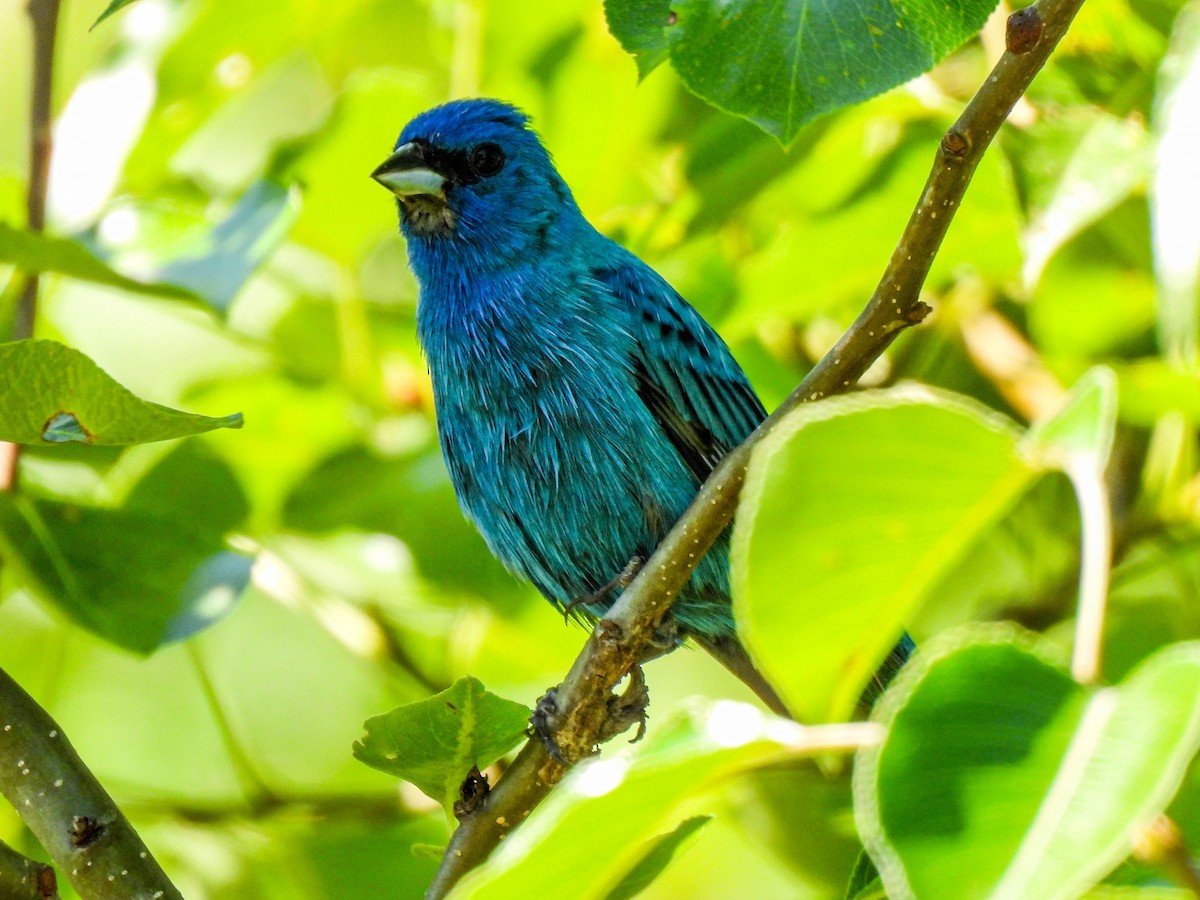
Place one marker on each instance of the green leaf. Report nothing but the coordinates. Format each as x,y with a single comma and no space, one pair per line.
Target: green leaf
285,102
152,571
805,818
641,30
1084,428
864,883
409,496
52,394
1002,777
30,251
1152,600
591,831
1151,387
435,743
1114,286
1175,202
1089,161
1025,561
781,65
114,7
342,214
1078,439
661,851
854,509
238,245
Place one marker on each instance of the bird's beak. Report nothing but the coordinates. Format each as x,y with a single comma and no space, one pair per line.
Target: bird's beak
406,173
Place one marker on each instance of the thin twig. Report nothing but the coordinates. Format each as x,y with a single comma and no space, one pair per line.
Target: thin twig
1095,514
1005,358
66,808
43,16
22,878
1161,844
621,637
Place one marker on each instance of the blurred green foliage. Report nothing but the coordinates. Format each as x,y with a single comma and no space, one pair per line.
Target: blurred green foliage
225,148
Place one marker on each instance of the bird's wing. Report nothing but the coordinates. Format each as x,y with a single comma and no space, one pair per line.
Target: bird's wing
685,374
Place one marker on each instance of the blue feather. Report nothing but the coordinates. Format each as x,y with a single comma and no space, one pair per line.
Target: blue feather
580,400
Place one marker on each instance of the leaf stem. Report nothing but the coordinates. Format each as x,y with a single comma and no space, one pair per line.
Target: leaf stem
620,639
258,793
1095,563
67,809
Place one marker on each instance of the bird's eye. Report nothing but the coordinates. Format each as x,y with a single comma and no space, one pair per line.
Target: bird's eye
487,159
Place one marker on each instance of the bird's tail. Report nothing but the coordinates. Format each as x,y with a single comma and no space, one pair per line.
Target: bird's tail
729,652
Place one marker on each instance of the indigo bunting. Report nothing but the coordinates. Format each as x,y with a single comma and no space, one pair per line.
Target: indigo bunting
580,400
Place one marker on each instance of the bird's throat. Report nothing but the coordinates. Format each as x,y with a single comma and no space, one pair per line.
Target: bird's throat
427,216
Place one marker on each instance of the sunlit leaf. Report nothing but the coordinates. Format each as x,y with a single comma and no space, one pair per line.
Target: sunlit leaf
1151,602
344,210
1176,196
872,499
662,850
1114,285
571,839
114,7
435,743
238,245
1084,426
864,881
153,570
1087,164
781,65
1002,777
804,816
53,394
29,251
408,496
284,102
1151,388
641,29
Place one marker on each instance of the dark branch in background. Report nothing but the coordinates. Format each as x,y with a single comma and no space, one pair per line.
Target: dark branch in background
43,16
67,810
620,639
22,878
41,775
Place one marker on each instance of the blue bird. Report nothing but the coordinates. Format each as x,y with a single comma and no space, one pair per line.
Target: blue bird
580,400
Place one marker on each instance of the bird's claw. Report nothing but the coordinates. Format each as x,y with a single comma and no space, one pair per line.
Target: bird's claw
543,723
628,708
624,711
666,638
618,583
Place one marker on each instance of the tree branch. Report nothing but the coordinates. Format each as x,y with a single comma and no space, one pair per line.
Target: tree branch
66,808
620,639
22,878
43,16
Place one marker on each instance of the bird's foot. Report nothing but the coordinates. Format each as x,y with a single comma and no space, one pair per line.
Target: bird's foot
621,581
544,722
624,711
628,708
667,637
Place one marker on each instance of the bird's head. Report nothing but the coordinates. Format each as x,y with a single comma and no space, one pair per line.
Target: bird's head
471,174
